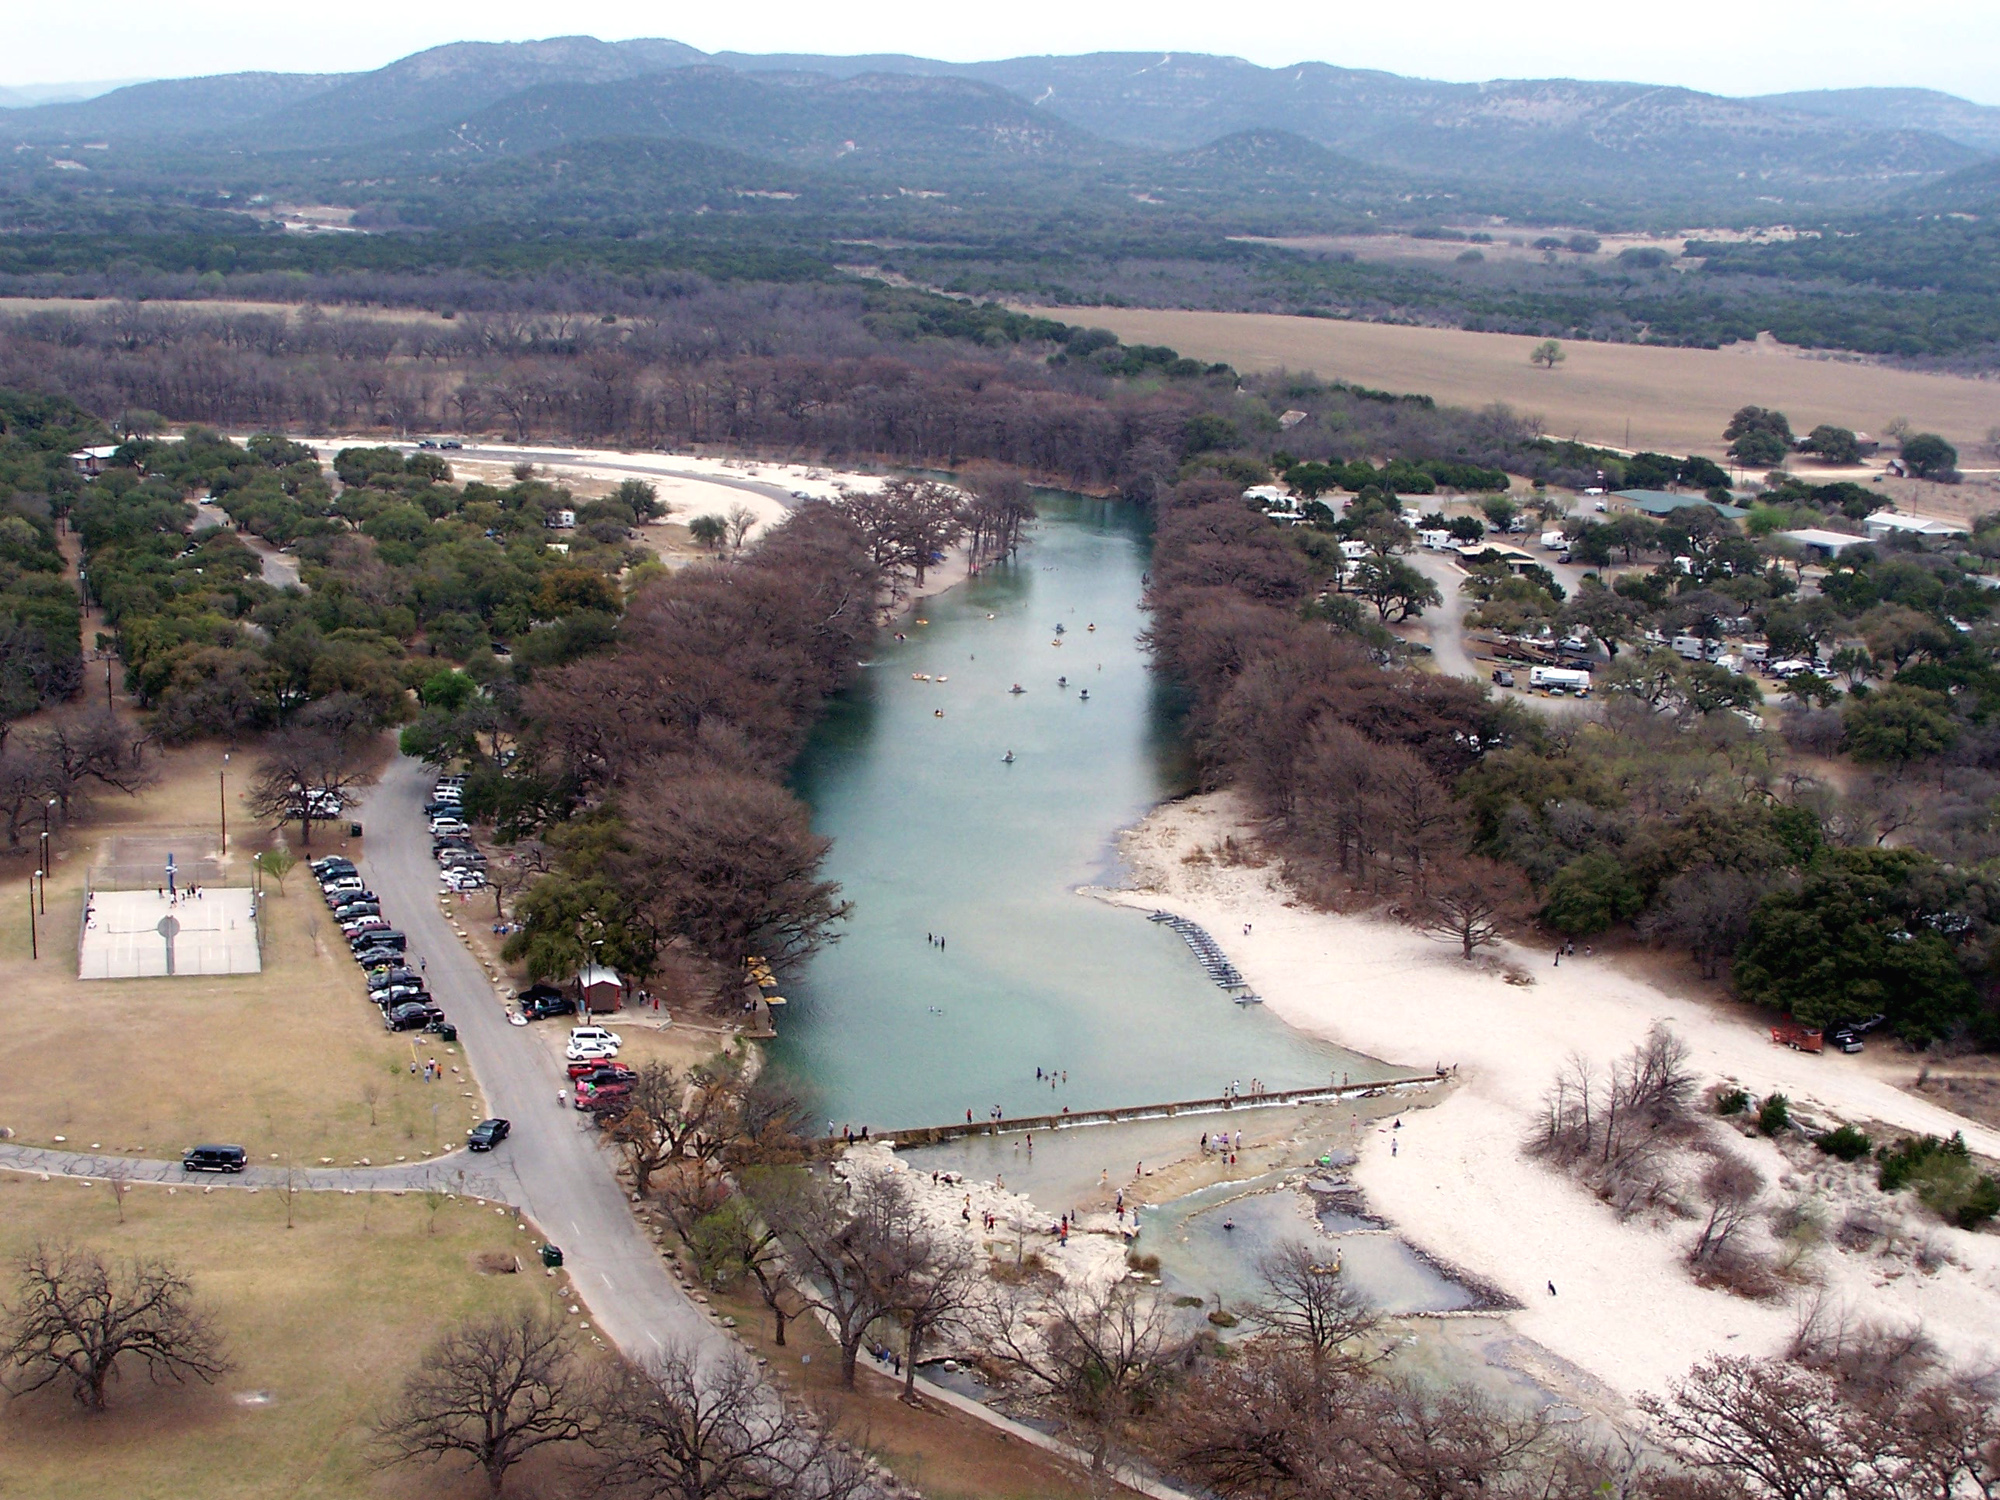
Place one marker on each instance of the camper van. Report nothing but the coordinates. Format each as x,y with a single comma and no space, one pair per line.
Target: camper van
1694,648
1554,541
1435,541
1560,680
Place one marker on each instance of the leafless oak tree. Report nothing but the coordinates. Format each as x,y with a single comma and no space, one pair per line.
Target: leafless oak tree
492,1392
77,1316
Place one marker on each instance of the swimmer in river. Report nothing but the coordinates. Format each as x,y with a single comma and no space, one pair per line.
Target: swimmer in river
1229,1224
1008,758
1062,682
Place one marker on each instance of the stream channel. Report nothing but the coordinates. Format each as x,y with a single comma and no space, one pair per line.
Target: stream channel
936,836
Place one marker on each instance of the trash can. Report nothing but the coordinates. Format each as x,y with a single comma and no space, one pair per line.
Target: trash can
354,830
552,1256
447,1032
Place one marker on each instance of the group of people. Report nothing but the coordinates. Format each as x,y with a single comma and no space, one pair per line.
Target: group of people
433,1070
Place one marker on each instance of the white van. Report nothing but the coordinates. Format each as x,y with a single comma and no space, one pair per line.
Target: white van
1554,541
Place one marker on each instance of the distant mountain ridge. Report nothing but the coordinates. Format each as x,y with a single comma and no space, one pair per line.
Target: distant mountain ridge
1608,141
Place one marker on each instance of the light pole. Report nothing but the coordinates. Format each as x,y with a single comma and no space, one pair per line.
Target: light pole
222,800
45,865
34,934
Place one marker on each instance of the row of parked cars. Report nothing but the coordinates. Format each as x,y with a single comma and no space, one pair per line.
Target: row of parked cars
461,867
380,948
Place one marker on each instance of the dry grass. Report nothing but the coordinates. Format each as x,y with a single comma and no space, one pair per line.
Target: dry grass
323,1321
1675,400
281,1062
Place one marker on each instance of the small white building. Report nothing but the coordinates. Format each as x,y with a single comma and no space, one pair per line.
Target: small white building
1885,522
1820,543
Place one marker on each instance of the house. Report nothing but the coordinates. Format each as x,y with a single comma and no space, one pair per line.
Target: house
1884,522
1513,558
597,989
561,520
1824,545
90,462
1660,503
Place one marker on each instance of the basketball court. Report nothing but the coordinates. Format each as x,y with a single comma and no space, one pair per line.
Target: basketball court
149,935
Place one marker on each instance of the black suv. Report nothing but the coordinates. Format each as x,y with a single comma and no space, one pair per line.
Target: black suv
411,1017
382,979
486,1135
377,938
214,1159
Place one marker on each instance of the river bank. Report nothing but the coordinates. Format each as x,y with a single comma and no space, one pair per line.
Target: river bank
1612,1299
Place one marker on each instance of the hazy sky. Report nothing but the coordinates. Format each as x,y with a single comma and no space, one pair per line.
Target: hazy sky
1725,46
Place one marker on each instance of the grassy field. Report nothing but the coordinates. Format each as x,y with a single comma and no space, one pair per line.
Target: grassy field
1672,400
323,1322
292,1062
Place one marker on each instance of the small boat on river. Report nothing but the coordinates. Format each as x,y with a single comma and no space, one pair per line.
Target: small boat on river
1007,759
1017,688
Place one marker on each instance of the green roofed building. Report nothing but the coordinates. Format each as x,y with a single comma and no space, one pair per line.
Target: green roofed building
1666,502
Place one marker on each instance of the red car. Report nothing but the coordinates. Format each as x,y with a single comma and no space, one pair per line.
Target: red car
606,1096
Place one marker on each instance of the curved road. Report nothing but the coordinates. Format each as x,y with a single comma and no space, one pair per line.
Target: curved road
550,1166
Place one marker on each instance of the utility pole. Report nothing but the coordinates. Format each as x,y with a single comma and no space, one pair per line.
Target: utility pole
222,800
45,865
34,934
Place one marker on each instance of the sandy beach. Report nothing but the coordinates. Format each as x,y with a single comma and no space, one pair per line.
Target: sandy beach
1624,1309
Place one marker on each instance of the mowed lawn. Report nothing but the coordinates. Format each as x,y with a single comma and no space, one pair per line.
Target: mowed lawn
292,1063
1671,400
323,1321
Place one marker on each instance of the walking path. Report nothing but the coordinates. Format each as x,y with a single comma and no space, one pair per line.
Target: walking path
459,1172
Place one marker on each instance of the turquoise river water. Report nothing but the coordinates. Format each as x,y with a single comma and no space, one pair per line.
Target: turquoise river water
935,835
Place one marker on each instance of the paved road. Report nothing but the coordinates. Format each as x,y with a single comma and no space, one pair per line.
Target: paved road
550,1166
457,1172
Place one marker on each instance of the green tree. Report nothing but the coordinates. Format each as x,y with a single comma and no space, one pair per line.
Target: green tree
1397,590
1548,354
1853,941
1929,456
1748,419
567,921
709,531
1759,449
1590,893
1899,724
1837,445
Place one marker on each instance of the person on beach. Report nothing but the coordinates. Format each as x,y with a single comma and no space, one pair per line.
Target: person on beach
1552,1288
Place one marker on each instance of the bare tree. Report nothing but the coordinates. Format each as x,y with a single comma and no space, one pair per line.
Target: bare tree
493,1392
1099,1359
735,1240
684,1427
908,522
854,1245
1731,1185
740,520
1307,1304
1779,1431
673,1119
77,1316
935,1295
307,773
1468,901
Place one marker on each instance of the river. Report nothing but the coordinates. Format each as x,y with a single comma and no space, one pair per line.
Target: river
936,836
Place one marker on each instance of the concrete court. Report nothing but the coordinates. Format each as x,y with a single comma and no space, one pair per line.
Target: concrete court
141,935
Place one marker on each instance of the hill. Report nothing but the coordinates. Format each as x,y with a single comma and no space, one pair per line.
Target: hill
1526,145
1956,119
170,108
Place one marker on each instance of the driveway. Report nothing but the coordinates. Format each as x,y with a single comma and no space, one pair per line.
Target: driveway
551,1166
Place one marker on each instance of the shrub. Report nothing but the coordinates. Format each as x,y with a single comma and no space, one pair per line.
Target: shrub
1944,1177
1732,1102
1774,1115
1847,1143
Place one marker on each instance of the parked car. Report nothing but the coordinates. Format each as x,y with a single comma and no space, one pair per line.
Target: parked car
401,994
601,1074
463,880
486,1135
340,884
384,978
583,1067
347,911
332,864
589,1096
591,1043
378,937
411,1017
214,1159
378,958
